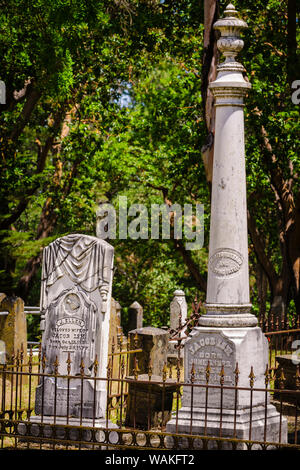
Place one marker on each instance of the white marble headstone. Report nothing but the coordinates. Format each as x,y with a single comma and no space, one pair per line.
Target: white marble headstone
75,306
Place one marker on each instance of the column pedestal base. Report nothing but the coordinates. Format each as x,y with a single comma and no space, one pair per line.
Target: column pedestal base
263,425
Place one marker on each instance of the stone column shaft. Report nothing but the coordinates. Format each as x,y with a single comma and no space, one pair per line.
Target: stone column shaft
227,301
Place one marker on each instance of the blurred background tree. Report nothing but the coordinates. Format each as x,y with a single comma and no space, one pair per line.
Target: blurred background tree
110,98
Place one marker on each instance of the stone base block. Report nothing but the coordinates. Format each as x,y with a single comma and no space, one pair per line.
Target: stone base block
71,430
263,425
149,404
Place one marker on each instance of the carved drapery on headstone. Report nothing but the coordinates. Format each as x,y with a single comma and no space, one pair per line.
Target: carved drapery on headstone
75,306
87,261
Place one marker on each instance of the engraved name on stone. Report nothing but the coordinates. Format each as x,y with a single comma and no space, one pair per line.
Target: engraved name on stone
69,335
217,352
72,326
225,262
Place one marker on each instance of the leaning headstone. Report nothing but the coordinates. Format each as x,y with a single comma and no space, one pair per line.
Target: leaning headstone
75,306
178,316
13,325
135,316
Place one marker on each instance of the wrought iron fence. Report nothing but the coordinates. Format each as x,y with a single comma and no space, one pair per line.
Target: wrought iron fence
282,343
139,408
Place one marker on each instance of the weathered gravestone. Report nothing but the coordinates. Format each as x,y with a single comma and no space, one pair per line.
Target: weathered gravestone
135,316
13,325
153,343
149,404
75,306
115,329
178,316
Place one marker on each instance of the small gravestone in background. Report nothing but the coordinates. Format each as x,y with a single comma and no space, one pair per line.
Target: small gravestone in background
149,404
13,325
75,307
178,316
154,343
117,342
2,352
135,316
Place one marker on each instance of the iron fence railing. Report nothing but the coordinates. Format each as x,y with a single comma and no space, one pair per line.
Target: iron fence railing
139,406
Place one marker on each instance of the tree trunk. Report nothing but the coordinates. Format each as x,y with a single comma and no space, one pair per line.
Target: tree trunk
209,72
292,59
48,216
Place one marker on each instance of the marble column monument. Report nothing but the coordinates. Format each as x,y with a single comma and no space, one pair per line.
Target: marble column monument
228,334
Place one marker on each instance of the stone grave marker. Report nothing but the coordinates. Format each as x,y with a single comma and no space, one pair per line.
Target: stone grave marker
135,316
117,342
289,369
13,325
75,306
115,328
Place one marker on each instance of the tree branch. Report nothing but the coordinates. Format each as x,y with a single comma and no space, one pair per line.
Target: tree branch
32,97
261,255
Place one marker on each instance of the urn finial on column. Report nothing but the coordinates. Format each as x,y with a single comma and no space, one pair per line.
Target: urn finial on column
230,43
230,83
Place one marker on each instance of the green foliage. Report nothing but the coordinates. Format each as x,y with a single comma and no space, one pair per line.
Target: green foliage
115,89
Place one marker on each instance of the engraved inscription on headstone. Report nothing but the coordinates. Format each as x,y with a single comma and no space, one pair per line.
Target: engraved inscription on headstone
213,350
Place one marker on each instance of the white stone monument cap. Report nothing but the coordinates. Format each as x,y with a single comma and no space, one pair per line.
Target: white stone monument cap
231,20
179,293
